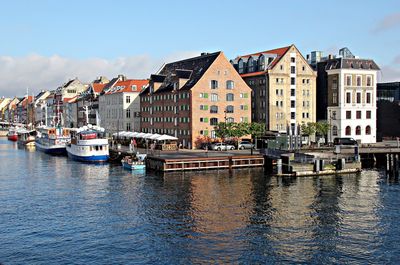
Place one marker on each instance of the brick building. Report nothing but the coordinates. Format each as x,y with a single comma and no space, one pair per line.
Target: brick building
188,98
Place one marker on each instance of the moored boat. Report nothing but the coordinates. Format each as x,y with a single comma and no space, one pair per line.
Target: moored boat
26,137
88,144
12,134
134,162
52,140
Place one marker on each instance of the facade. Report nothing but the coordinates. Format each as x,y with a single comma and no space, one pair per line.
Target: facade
88,105
283,87
37,106
4,102
188,98
71,113
119,107
388,118
348,94
63,94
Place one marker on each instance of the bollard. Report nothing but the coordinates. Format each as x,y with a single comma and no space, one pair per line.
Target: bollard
316,165
321,165
279,166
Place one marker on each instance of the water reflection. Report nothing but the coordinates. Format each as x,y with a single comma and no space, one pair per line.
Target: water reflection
53,209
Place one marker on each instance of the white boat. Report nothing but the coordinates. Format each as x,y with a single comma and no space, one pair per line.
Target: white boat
26,137
52,140
135,162
88,144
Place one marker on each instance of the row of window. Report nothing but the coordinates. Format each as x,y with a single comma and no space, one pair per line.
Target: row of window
349,80
348,130
166,131
229,96
367,99
165,97
228,85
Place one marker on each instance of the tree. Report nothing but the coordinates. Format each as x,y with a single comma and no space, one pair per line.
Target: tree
257,129
322,128
308,129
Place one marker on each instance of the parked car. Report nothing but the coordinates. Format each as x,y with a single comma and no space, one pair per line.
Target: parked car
245,145
344,141
205,146
222,146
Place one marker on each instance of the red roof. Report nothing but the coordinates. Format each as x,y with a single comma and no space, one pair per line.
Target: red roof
279,51
98,87
129,86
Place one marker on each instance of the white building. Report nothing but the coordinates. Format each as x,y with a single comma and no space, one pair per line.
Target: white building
351,94
119,108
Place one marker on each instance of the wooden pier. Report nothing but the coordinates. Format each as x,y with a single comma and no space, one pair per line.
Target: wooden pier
204,163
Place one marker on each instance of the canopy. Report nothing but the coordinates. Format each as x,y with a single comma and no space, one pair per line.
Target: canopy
154,136
140,135
166,137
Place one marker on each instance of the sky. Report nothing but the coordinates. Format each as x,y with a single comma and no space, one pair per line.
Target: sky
45,43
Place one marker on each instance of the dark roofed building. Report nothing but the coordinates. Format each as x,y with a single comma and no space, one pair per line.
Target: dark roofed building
188,98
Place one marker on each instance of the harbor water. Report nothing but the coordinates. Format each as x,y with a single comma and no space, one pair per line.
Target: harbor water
57,211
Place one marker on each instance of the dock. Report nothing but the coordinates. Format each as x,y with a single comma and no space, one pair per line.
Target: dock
203,163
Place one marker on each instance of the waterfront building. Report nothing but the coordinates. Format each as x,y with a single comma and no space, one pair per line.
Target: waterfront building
36,107
10,113
283,87
22,110
346,96
71,113
388,103
63,94
3,107
188,98
119,105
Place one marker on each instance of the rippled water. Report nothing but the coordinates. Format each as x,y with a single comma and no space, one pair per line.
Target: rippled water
57,211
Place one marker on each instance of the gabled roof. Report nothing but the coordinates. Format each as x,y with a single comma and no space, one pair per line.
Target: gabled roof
130,85
98,88
192,69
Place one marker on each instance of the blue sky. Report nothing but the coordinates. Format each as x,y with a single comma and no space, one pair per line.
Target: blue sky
52,41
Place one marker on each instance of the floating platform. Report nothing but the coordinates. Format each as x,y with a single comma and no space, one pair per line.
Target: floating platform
203,163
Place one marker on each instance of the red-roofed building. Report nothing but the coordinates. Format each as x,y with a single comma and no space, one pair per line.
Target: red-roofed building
283,87
119,105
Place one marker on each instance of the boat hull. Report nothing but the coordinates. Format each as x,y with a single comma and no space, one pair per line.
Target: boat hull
51,150
93,158
13,137
133,167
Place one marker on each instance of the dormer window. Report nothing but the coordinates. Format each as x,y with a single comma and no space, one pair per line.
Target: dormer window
241,66
134,87
250,65
261,63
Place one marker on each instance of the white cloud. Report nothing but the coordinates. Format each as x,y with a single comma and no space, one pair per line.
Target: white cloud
388,22
389,73
38,72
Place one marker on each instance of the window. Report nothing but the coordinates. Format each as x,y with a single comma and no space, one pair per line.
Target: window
213,109
292,81
292,92
214,97
368,115
292,104
244,95
241,67
369,80
348,130
244,107
368,130
230,120
128,114
358,80
203,107
214,84
334,130
277,103
334,83
333,115
229,109
128,99
292,59
292,115
358,130
281,67
369,98
230,97
277,92
348,80
358,97
214,121
203,95
292,69
358,114
334,98
348,114
250,65
230,84
348,97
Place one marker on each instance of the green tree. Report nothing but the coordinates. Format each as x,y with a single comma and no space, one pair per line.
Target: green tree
257,129
308,129
322,128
